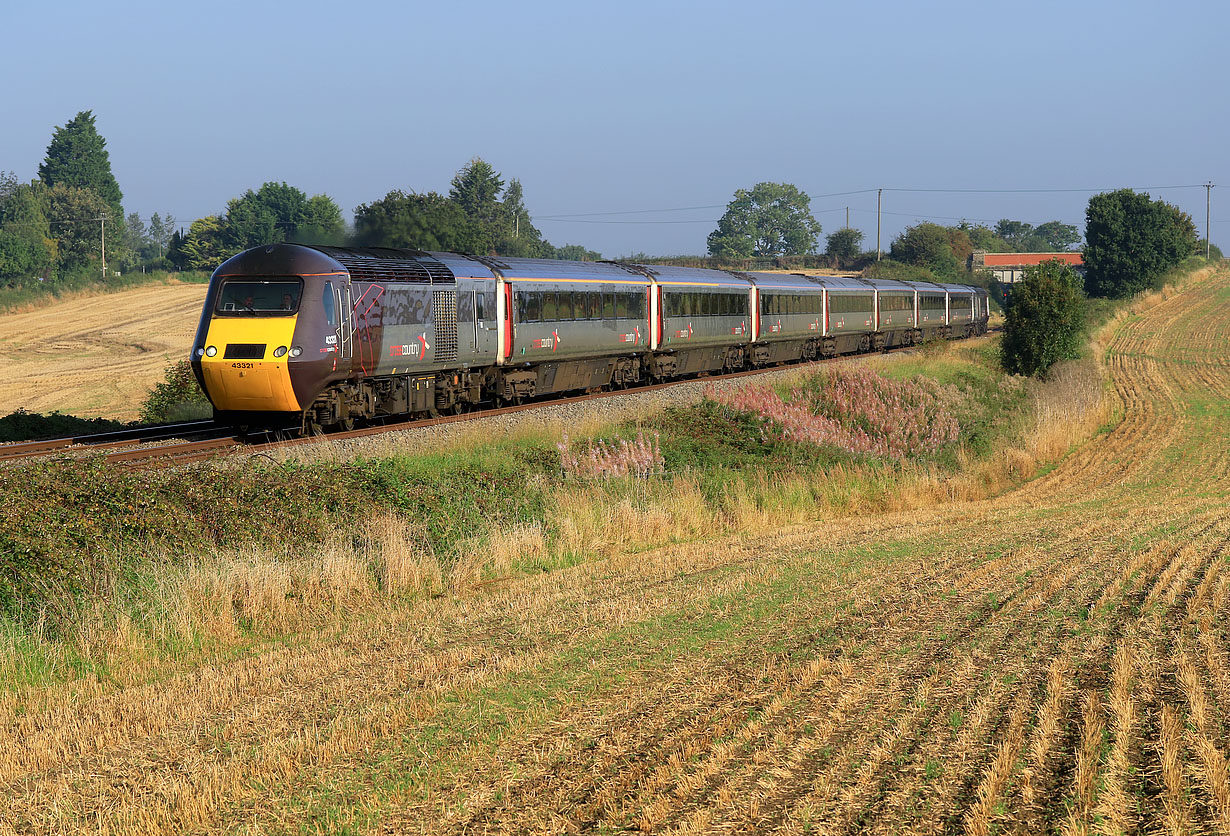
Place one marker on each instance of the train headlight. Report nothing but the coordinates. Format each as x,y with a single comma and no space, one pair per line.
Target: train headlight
296,351
279,351
199,351
211,351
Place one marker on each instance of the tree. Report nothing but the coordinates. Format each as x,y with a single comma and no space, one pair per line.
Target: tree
204,247
1131,241
843,245
1014,233
517,234
1214,251
960,244
476,189
74,215
983,238
160,231
1058,236
1044,319
27,249
419,221
321,222
77,157
773,219
279,212
926,245
574,252
136,238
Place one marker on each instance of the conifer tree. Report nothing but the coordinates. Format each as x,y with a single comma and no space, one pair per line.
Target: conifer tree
77,158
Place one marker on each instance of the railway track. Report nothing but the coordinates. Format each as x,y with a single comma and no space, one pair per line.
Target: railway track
129,446
116,440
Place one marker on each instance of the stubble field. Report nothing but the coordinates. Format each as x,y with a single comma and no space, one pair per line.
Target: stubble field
96,356
1052,660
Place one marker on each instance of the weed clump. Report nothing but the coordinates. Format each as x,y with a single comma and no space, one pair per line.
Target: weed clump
854,410
641,458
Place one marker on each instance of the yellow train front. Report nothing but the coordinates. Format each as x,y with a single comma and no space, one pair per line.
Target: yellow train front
270,333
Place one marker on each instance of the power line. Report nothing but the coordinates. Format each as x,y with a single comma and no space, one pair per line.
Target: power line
1043,191
568,216
561,216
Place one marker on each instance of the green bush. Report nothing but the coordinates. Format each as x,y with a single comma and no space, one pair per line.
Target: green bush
896,270
178,398
1044,319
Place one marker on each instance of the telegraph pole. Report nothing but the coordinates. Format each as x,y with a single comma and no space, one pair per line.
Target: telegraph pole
879,202
847,217
1208,206
103,218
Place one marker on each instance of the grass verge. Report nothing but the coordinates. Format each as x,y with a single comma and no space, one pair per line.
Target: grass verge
120,575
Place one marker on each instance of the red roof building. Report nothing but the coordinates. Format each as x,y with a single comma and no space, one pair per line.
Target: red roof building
1009,268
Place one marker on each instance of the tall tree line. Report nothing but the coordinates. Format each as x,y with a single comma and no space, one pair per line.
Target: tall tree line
52,228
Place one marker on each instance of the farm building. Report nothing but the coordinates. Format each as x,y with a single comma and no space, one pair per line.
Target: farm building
1009,268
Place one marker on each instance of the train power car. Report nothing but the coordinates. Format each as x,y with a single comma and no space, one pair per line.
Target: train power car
315,337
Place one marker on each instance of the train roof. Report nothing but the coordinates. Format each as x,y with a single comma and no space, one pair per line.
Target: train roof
846,283
891,285
786,280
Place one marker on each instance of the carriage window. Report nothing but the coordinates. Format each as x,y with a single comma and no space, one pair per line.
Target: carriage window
636,305
550,306
621,305
533,306
566,307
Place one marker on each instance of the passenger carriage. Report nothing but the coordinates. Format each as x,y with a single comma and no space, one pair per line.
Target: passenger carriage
789,322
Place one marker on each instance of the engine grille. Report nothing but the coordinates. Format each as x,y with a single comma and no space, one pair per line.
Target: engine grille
244,351
444,307
384,264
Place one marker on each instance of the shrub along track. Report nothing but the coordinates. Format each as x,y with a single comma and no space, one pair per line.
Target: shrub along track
1054,659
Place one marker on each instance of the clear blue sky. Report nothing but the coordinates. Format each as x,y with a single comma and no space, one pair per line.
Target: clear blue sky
618,107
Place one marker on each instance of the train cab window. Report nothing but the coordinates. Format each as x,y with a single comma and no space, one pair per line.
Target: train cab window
257,297
330,305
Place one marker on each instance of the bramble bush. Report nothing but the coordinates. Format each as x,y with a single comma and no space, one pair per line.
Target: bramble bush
855,410
21,425
178,398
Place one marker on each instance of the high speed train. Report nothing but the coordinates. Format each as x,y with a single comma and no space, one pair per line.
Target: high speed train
316,337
